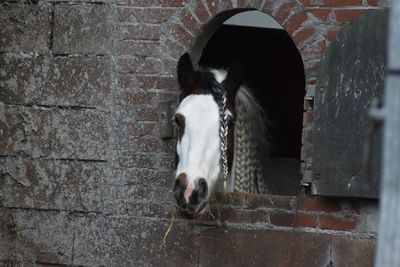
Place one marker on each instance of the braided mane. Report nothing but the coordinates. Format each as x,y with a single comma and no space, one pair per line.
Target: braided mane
251,142
251,145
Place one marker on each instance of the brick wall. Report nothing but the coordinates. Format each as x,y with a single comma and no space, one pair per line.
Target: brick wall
85,178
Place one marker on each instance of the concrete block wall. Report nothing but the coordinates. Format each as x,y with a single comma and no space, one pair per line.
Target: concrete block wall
85,178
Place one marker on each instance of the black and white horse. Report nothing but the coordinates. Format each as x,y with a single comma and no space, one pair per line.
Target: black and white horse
223,140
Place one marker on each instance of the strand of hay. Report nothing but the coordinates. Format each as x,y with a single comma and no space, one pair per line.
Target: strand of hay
162,245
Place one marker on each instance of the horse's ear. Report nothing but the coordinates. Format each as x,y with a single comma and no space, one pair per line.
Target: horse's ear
235,77
186,75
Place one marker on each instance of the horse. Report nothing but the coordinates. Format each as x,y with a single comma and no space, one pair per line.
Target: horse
223,141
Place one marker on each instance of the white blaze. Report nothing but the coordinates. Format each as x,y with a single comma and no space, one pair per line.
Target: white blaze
199,148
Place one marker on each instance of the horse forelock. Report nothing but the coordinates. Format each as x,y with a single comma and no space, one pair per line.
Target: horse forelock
207,81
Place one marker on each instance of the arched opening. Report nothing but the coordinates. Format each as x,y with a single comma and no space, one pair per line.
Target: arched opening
273,69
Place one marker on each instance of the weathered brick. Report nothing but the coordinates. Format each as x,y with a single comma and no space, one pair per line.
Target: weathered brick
313,49
373,2
142,128
319,204
346,15
254,201
145,15
225,5
322,13
284,10
305,166
333,32
311,68
157,82
311,80
361,251
44,236
8,235
307,2
340,3
166,162
138,3
307,135
295,21
138,243
169,66
201,11
267,8
24,28
149,210
189,21
315,250
125,81
354,205
146,114
152,3
140,98
138,64
179,34
138,177
232,199
89,239
308,117
303,35
81,29
172,97
117,199
306,152
55,81
242,216
131,159
282,219
138,48
77,2
52,184
244,247
336,223
140,32
120,199
173,48
212,6
305,220
154,145
55,133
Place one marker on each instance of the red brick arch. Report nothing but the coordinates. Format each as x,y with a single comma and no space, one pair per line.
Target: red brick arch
198,20
310,28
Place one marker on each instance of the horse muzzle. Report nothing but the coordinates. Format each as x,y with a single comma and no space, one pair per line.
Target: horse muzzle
192,212
191,196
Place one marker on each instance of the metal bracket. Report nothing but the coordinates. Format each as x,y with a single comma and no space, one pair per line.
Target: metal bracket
310,93
307,175
165,124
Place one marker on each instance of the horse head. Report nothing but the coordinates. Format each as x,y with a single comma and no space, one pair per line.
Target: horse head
198,147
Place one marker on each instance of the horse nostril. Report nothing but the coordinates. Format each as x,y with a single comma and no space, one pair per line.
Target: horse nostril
202,188
179,188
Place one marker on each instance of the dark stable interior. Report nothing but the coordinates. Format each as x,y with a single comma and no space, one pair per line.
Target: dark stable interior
274,70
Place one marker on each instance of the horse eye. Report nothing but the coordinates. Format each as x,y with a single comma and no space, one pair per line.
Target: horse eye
177,122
